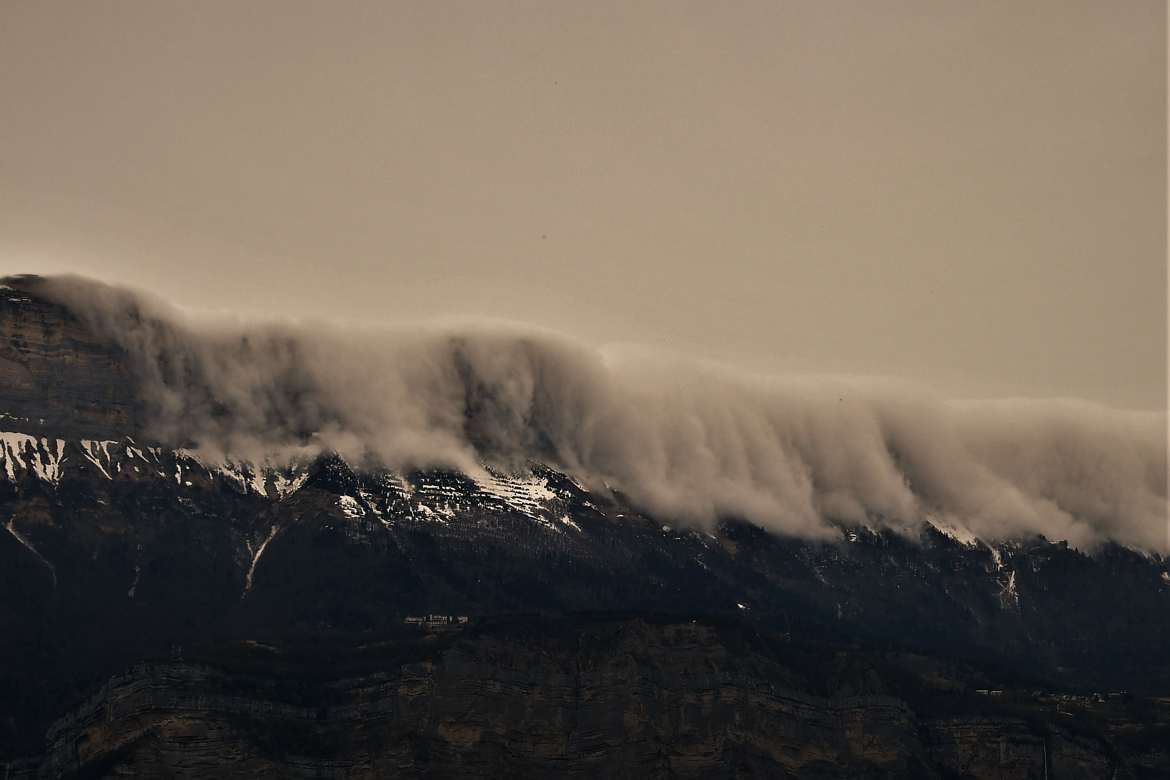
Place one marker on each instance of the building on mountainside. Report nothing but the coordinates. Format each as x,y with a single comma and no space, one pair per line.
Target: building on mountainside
436,621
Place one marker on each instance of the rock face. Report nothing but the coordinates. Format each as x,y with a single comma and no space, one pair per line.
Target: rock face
539,698
56,376
166,614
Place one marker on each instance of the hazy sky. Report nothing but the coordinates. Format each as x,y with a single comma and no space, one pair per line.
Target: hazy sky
971,194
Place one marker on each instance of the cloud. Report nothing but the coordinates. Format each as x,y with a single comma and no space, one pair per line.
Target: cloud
684,440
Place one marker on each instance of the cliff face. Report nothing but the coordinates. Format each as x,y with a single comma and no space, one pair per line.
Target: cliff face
582,698
129,574
57,377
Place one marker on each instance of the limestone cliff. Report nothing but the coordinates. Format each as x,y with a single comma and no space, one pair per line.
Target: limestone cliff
588,698
173,613
56,376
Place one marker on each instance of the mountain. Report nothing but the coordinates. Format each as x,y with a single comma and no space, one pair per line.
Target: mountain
166,610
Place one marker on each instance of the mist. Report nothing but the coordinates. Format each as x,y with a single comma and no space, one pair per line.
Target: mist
687,441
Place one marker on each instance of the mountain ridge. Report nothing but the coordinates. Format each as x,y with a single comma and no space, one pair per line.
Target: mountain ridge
681,442
129,563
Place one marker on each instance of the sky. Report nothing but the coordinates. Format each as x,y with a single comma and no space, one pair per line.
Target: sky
971,196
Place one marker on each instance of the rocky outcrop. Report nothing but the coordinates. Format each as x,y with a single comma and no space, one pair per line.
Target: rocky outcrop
57,376
584,698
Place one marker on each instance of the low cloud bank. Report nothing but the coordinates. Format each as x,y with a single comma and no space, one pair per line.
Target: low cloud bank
683,440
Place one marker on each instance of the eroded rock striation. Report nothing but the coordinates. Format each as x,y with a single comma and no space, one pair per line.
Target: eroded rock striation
58,376
533,697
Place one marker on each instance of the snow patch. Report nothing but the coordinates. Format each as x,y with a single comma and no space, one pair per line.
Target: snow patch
439,514
1009,597
247,477
256,559
10,527
954,530
97,453
350,507
27,454
527,494
996,556
286,486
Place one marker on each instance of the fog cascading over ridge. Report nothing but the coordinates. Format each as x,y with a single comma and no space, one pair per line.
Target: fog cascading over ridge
683,440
